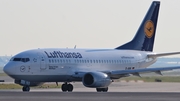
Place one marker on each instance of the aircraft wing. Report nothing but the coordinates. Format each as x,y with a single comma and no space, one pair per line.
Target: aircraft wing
116,74
124,73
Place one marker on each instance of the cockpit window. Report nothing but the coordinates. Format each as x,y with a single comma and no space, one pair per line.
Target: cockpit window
25,59
21,59
17,59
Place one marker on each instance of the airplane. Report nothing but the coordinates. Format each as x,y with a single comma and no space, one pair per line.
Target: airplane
95,68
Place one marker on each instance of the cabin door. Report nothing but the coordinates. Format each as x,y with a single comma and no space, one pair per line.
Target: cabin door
42,61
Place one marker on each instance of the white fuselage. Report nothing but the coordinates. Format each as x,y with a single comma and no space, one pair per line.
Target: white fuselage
59,65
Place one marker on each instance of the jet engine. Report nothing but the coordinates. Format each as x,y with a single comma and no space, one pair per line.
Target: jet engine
96,80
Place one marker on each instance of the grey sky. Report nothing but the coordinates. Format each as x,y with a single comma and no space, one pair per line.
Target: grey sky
31,24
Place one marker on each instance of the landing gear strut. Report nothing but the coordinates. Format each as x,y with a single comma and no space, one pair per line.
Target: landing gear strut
67,87
102,89
26,89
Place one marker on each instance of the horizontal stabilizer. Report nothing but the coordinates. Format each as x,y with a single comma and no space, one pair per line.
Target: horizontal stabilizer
155,55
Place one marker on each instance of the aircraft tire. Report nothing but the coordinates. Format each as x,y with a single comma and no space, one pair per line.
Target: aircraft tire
102,89
70,87
98,89
105,89
26,89
64,87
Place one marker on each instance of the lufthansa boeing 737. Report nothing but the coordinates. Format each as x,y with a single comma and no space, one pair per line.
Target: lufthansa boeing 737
95,68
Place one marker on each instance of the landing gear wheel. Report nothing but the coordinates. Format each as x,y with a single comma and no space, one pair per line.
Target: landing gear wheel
26,89
105,89
102,89
70,87
98,89
64,87
67,87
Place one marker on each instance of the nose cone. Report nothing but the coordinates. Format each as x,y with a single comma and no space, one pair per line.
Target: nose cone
8,69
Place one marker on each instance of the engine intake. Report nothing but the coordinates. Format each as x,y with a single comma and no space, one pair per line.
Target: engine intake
96,79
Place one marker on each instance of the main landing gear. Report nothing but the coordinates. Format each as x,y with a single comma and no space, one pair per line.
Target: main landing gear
67,87
26,89
102,89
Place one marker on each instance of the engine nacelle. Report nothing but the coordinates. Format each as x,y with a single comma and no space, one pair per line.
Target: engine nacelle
96,80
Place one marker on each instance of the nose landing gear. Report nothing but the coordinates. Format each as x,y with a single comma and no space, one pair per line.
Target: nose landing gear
67,87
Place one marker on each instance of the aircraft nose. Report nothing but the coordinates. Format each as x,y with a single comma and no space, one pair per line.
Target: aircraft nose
8,69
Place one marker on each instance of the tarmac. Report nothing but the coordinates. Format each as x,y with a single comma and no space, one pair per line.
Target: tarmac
88,96
118,91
